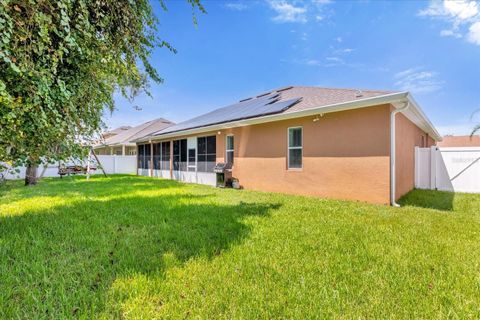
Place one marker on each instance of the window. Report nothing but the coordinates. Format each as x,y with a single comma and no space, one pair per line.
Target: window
156,156
191,159
141,155
229,149
295,148
207,153
180,155
148,152
144,153
165,155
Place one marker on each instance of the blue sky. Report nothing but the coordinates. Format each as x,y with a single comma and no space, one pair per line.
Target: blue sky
242,48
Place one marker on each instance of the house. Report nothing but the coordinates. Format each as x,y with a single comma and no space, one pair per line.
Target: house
118,141
459,141
334,143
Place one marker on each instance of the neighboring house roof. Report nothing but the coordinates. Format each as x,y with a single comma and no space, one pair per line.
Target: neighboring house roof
118,130
125,137
295,102
460,141
115,131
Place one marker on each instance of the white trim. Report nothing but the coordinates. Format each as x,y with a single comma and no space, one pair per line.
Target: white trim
229,150
393,153
294,148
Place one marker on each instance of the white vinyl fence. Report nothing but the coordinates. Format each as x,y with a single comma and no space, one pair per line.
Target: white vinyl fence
448,169
112,164
118,164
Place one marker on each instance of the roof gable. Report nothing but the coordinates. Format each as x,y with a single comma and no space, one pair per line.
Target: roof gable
144,129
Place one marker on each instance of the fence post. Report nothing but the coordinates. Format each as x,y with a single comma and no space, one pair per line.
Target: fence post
114,163
417,175
433,167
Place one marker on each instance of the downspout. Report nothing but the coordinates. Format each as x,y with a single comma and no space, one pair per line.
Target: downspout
393,154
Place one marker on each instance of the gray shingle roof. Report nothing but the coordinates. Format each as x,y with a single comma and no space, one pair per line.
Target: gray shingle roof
285,100
126,137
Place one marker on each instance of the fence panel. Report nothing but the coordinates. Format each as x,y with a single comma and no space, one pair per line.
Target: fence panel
449,169
458,169
422,168
112,164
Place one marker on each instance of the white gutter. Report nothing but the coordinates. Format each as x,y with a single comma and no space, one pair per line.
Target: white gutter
393,153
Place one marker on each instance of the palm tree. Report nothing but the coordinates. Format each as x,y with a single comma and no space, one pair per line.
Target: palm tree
475,130
477,127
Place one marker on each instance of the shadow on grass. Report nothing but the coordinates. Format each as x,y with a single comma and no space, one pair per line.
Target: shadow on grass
76,251
431,199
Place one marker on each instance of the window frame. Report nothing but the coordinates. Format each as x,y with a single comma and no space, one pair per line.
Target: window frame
182,155
230,150
203,166
165,157
294,148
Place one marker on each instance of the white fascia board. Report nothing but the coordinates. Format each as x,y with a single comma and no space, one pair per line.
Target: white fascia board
361,103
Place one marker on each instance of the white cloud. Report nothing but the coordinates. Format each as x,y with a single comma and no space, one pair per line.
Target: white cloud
450,33
313,62
455,9
462,10
300,11
463,16
287,12
418,80
474,33
327,62
344,51
334,59
236,6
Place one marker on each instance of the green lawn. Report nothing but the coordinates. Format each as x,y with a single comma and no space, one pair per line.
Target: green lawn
134,247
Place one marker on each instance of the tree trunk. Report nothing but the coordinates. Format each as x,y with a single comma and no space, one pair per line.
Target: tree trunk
31,175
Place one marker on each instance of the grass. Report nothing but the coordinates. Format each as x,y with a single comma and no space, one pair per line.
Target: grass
134,247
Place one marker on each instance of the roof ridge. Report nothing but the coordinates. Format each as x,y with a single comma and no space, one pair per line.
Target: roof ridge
149,124
345,89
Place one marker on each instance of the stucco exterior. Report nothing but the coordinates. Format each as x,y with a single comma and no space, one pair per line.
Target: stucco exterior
459,141
346,154
408,136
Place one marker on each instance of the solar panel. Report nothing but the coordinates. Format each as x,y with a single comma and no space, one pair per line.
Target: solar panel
255,107
284,89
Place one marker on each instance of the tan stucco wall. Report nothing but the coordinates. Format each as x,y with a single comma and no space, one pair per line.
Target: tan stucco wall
408,136
345,156
460,141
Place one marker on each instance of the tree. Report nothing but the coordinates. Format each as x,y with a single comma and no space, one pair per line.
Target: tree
60,63
477,127
475,130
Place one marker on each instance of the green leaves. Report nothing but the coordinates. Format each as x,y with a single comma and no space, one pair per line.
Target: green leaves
60,63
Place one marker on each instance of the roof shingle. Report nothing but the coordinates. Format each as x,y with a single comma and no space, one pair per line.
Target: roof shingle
304,97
